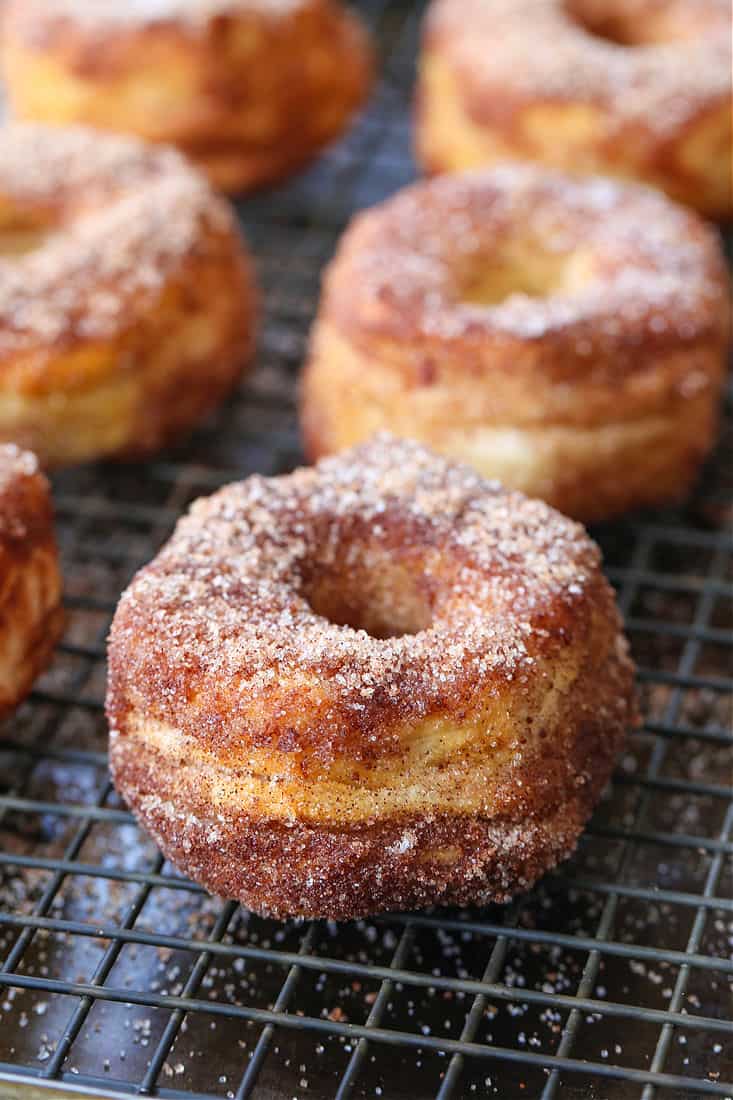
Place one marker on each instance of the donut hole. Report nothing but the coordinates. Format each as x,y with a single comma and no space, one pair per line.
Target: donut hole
619,24
534,274
371,593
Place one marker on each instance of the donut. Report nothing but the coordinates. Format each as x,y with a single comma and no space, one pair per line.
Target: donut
566,336
377,683
126,297
31,617
639,89
250,90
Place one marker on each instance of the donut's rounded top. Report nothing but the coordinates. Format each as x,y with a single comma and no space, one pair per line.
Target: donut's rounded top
658,61
328,610
25,505
90,224
191,14
517,252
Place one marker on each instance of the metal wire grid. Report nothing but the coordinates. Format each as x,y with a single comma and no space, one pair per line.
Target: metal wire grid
119,977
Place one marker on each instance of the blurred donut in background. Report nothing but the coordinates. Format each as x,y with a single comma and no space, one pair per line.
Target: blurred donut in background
567,336
639,89
250,90
127,300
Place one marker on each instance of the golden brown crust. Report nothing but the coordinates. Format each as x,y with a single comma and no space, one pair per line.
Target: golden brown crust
620,87
545,329
31,618
132,313
451,753
249,90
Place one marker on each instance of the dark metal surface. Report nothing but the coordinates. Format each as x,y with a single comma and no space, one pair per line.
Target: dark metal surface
610,981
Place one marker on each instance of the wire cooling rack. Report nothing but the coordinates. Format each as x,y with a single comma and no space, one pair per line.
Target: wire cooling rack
609,981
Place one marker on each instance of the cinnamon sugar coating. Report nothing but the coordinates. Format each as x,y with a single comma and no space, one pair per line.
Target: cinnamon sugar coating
379,682
126,297
639,89
31,618
250,90
544,328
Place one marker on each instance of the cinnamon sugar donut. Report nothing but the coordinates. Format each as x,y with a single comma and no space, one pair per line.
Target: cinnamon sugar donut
632,88
126,299
31,618
566,336
249,89
378,683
